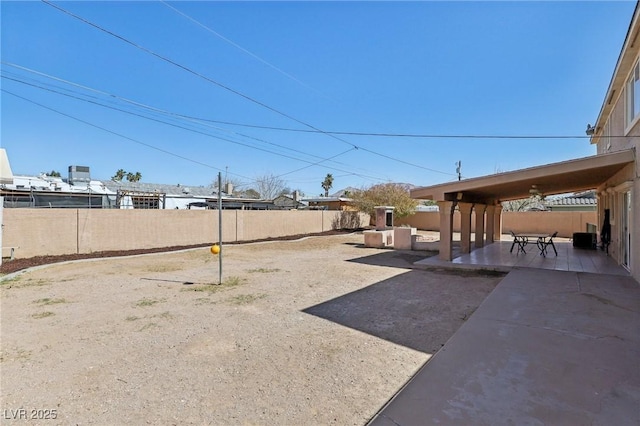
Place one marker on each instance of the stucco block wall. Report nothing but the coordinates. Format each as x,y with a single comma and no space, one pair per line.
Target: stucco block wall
100,230
259,224
343,219
566,223
38,232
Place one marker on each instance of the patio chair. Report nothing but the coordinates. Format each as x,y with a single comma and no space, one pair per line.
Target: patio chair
544,245
520,241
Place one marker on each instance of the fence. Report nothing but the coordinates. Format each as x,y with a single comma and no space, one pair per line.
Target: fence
566,223
39,232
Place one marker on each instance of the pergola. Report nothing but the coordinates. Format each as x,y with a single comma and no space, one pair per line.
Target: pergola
484,194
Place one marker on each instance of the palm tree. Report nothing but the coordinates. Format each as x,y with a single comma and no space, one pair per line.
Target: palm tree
120,174
327,184
134,177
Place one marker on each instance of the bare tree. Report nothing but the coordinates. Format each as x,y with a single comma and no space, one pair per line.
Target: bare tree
250,193
237,183
524,204
269,186
235,186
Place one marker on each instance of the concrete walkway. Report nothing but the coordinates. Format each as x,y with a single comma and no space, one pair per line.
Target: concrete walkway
547,347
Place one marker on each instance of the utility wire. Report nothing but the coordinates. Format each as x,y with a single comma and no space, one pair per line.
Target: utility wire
210,80
153,109
251,180
161,111
403,135
237,46
115,133
189,70
374,178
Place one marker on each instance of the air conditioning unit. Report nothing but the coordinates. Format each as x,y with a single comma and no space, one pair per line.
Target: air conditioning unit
79,175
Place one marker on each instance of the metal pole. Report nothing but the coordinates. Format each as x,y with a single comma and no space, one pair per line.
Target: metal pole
220,227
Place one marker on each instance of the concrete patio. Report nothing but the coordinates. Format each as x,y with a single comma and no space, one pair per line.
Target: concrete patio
498,256
556,342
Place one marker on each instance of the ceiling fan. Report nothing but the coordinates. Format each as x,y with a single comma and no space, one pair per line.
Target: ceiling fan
534,191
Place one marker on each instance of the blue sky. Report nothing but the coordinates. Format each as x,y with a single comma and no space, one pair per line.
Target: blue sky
156,96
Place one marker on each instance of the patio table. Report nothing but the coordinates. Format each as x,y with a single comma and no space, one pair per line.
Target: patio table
523,239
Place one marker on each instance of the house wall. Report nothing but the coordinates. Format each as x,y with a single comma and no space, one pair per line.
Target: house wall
566,223
40,232
610,193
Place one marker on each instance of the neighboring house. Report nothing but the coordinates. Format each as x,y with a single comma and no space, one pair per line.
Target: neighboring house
581,202
54,192
289,202
142,195
337,201
80,191
330,203
614,173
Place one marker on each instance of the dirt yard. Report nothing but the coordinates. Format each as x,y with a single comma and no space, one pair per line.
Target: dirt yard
316,331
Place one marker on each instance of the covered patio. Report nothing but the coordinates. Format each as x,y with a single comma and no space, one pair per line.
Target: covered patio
498,256
484,195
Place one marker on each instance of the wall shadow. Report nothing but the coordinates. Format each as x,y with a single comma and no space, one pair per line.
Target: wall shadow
417,309
394,258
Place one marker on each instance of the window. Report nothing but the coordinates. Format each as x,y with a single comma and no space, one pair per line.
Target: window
633,95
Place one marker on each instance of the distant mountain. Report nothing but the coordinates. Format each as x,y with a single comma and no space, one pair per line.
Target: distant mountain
348,189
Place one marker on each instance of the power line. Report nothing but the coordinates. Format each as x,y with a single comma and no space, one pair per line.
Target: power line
210,80
250,180
187,69
141,105
403,135
172,114
236,45
116,133
181,127
96,101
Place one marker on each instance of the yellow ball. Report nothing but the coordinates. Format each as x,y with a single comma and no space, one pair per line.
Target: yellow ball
215,249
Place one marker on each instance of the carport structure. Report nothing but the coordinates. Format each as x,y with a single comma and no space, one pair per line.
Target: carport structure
484,194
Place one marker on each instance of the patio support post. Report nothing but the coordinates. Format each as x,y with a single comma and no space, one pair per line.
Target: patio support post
446,230
491,210
479,209
497,223
465,226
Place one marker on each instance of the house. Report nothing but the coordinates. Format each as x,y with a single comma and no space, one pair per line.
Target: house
142,195
79,190
289,202
580,202
617,129
330,203
614,173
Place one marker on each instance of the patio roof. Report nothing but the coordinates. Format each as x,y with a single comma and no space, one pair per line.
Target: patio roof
557,178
